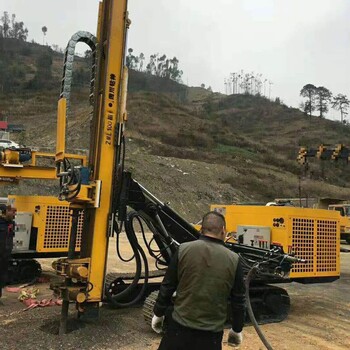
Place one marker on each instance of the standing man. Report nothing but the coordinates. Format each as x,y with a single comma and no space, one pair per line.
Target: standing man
205,275
7,215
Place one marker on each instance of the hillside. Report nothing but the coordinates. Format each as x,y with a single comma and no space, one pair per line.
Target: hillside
188,146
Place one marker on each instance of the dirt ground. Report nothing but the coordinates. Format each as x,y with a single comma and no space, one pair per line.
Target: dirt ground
319,319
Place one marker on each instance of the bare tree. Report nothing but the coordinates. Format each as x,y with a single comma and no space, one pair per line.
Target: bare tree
12,28
247,83
270,89
265,81
141,60
131,61
5,27
341,103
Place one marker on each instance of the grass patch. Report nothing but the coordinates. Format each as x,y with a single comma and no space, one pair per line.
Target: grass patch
236,151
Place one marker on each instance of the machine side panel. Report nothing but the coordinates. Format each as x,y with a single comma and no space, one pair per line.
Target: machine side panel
311,234
52,219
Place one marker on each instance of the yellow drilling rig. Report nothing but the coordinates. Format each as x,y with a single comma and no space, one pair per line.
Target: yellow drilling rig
102,197
109,198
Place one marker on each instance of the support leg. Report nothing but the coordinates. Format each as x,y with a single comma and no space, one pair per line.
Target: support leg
71,251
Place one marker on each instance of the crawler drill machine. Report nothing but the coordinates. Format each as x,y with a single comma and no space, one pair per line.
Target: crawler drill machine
110,198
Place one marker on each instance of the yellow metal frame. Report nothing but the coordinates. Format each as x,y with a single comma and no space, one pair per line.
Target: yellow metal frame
31,170
112,32
61,129
108,126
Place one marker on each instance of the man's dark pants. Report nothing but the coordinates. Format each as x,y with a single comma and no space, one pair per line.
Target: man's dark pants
178,337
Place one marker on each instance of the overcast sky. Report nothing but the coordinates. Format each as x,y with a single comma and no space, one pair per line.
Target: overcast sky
291,42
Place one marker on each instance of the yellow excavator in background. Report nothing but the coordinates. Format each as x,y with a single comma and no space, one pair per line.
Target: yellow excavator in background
334,153
109,198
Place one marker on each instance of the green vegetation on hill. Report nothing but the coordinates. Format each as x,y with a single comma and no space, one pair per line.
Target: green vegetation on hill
187,145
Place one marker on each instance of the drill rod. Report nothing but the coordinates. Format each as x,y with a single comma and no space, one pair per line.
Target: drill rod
71,252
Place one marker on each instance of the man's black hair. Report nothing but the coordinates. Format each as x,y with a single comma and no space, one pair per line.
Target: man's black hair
213,222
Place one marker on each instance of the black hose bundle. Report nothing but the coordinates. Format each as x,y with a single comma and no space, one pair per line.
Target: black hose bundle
140,258
70,181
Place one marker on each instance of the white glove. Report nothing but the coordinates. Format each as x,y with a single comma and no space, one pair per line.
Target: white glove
234,339
157,323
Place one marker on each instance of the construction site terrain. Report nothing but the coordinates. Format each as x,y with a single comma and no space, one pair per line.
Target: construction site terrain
319,319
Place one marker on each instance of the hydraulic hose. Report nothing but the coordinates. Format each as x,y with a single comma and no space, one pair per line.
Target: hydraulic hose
134,245
138,254
117,245
249,277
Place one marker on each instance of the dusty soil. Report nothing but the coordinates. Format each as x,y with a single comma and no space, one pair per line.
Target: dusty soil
319,319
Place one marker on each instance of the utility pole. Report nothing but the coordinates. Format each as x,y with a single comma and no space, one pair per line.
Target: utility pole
270,84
